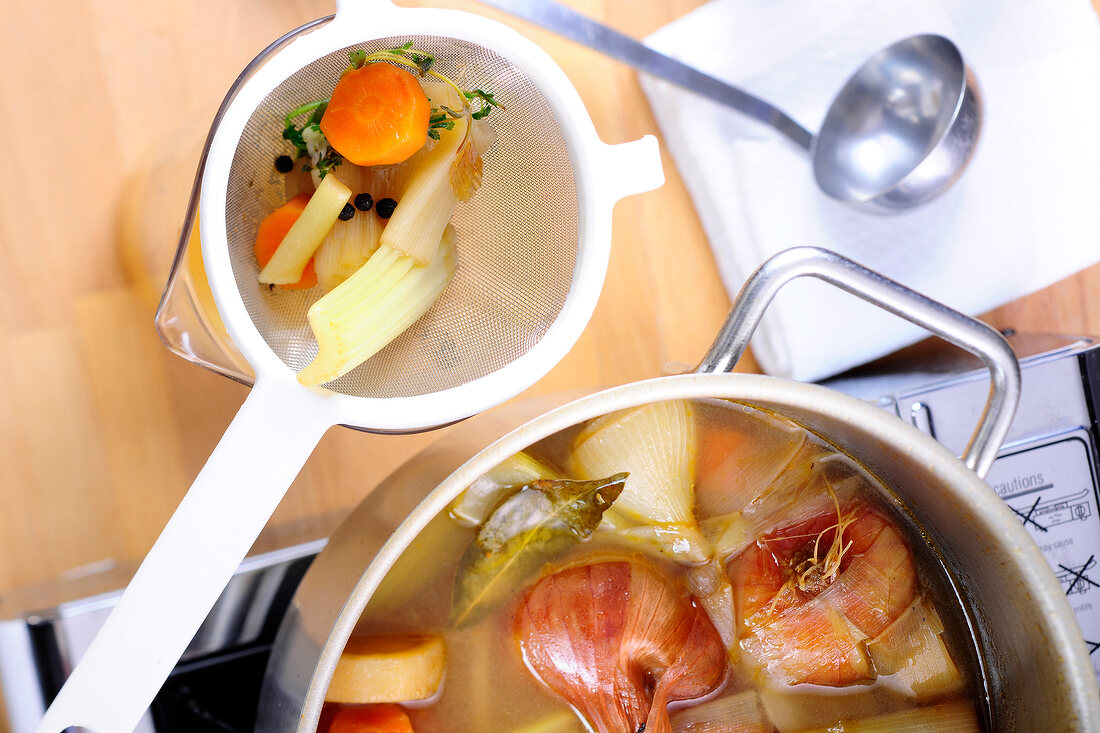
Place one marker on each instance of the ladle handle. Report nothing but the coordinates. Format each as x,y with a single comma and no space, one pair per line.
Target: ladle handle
610,42
192,561
965,332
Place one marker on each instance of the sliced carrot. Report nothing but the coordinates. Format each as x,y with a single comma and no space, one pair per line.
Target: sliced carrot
377,115
717,445
371,719
272,231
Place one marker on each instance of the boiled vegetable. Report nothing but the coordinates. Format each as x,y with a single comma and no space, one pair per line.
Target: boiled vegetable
740,456
953,717
376,669
483,495
271,232
740,713
799,708
655,444
351,243
808,486
542,518
377,115
371,308
372,719
712,590
912,652
307,232
619,641
429,200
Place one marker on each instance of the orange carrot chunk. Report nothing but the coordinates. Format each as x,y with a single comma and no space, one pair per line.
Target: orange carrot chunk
371,719
377,115
271,233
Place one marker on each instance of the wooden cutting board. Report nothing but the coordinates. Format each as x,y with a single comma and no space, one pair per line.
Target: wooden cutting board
101,429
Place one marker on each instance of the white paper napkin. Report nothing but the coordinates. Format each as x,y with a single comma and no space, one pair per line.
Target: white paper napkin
1025,213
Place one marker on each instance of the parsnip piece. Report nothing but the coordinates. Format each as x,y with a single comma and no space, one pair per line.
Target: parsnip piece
303,239
372,307
948,717
427,203
912,654
375,669
482,496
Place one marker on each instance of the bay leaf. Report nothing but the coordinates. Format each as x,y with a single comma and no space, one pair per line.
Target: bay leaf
540,520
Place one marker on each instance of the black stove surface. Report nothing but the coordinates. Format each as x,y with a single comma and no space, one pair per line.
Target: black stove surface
213,695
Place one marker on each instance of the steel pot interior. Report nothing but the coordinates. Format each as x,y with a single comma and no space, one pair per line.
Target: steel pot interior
1024,626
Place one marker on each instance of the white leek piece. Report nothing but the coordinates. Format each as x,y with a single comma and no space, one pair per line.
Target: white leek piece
912,653
483,495
307,233
347,248
655,444
741,713
805,707
711,587
372,307
350,243
430,197
947,717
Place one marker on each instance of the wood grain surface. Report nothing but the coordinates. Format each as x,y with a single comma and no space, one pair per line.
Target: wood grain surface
101,428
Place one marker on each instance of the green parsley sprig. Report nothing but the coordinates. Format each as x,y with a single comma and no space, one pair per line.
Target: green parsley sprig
308,140
423,61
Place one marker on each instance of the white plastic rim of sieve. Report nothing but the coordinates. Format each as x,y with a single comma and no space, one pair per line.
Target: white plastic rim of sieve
603,174
281,421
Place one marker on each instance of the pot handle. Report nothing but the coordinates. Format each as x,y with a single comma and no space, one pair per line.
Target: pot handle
965,332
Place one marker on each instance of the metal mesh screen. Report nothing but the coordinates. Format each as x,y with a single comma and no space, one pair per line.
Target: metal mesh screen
517,237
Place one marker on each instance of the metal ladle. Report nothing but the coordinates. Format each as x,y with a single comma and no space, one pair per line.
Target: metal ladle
899,132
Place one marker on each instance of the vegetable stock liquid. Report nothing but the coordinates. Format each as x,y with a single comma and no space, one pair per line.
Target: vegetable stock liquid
487,686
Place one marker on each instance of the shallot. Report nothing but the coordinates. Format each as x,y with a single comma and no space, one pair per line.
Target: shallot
619,641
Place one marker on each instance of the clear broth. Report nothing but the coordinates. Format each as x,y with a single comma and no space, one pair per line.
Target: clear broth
487,686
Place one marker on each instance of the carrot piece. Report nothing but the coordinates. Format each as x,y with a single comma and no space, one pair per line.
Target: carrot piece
371,719
377,115
272,231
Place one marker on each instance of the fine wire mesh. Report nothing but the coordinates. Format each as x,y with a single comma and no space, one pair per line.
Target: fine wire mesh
517,236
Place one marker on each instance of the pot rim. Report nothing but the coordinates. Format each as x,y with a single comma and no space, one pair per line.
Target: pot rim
1021,554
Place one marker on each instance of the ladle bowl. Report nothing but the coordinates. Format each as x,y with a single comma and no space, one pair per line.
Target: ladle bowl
902,128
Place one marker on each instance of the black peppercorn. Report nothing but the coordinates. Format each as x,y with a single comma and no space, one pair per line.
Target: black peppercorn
346,213
364,201
385,207
284,164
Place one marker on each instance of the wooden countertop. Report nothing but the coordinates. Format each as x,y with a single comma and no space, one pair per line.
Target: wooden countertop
102,428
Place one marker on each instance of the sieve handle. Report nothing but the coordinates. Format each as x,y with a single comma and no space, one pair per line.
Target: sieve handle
630,168
183,575
965,332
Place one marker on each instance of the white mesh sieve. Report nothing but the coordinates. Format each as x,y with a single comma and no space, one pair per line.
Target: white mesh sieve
517,237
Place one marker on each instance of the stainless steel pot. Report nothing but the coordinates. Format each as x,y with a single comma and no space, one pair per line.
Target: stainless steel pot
1030,646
